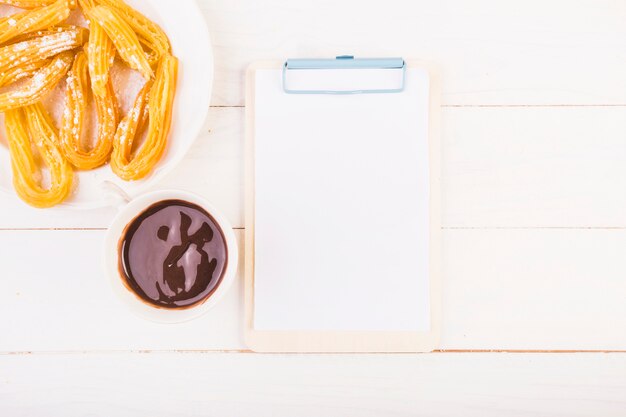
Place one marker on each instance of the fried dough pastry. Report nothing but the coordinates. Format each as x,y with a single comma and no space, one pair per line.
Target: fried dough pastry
27,4
100,55
33,4
33,20
36,34
73,118
21,71
150,34
41,47
123,37
41,83
38,49
30,127
127,131
159,99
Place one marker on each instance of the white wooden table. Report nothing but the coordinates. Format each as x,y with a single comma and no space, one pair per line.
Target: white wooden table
534,226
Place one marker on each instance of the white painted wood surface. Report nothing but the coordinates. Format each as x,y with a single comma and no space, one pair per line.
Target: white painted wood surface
502,167
516,289
243,385
491,52
534,217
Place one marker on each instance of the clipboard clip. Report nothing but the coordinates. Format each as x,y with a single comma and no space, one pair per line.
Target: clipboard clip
344,62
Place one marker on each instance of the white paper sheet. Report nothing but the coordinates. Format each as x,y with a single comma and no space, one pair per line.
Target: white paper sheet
341,209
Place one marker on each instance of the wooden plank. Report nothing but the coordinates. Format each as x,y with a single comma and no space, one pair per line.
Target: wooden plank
502,167
59,299
536,289
18,215
219,384
534,167
537,52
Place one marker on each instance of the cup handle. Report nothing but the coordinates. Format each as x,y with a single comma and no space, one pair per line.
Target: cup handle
114,195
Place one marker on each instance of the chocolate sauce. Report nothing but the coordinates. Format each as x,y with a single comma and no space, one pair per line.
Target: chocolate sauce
173,255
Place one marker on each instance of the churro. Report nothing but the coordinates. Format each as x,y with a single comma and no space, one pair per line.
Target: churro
159,98
38,50
76,97
123,37
41,83
30,127
33,20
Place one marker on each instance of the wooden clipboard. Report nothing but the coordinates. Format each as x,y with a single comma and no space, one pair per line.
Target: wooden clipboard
344,341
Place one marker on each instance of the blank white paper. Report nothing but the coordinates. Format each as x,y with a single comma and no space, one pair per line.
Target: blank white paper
341,208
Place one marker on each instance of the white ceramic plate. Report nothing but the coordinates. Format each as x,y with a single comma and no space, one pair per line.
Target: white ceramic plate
111,257
184,24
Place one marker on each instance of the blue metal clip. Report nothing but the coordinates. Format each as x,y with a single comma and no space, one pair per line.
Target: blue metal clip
344,62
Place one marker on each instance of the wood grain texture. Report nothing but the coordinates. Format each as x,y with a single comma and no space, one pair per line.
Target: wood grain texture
533,216
521,289
59,298
481,385
534,167
503,167
534,289
532,52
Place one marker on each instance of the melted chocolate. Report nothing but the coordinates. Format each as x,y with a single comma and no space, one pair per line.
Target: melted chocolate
173,255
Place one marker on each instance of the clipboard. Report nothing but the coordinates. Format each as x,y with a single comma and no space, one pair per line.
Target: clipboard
305,288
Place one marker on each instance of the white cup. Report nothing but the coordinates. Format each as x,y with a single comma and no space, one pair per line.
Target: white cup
112,258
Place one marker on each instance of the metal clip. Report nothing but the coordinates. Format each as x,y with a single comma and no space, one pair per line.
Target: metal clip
344,62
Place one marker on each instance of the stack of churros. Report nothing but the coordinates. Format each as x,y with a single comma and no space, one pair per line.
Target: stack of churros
38,51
